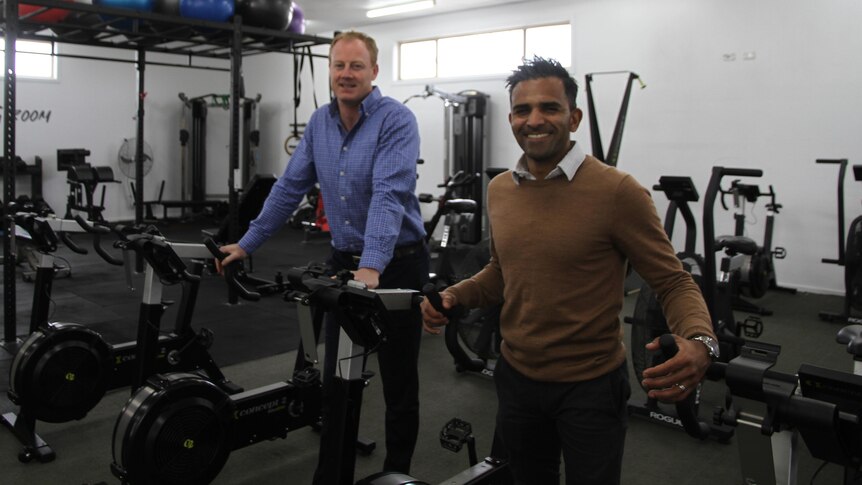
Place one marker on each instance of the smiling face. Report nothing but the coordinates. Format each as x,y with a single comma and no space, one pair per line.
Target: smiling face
351,71
542,119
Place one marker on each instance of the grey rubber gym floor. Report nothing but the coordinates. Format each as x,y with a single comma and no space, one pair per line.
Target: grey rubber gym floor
253,343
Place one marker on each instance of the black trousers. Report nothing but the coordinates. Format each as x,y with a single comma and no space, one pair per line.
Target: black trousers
586,421
398,357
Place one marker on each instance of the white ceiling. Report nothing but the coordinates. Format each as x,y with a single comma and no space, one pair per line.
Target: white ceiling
326,16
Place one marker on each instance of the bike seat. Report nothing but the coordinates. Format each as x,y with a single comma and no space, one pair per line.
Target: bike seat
736,245
460,206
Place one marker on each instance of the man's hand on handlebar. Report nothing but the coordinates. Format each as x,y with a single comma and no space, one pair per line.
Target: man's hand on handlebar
432,319
370,277
676,378
234,253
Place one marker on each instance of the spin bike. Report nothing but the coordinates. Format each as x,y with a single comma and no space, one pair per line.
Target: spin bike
64,369
758,271
648,321
849,254
180,428
45,233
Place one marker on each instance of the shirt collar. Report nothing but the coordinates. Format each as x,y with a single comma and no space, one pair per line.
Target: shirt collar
365,108
567,166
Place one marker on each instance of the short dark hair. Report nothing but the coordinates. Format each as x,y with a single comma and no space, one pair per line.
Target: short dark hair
539,67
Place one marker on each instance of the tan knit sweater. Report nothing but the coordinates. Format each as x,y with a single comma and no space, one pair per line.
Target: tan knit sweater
558,262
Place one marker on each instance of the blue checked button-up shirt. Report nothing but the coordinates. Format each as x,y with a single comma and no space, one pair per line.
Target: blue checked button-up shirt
367,179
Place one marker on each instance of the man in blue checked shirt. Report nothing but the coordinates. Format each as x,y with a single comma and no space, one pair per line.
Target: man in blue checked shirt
362,148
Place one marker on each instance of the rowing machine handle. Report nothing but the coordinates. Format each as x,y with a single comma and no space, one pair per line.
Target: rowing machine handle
685,409
230,272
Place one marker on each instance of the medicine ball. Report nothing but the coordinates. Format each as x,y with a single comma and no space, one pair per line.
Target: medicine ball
297,23
212,10
50,16
268,14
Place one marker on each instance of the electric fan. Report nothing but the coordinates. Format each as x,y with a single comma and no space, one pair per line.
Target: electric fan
126,157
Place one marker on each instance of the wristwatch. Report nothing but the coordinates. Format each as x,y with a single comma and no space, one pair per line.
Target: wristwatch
711,345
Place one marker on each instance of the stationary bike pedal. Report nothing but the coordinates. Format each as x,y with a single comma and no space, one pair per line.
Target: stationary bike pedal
454,434
368,374
167,303
752,327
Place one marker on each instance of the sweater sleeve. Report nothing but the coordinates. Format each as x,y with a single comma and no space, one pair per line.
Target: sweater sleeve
639,234
484,289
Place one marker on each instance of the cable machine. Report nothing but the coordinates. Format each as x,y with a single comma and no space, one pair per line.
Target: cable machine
464,135
193,142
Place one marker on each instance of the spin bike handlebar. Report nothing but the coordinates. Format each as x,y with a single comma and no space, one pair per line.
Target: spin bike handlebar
685,409
230,272
97,231
429,291
67,240
451,336
41,234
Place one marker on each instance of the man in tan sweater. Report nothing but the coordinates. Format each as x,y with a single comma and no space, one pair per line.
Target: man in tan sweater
563,226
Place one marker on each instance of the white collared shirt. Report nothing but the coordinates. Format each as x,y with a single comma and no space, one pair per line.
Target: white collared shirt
567,166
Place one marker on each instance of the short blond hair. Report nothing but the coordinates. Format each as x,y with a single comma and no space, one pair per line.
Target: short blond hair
369,42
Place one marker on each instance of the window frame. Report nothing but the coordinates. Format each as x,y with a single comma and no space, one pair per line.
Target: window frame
523,33
52,56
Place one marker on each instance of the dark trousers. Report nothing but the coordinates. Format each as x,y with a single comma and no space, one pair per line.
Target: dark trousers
398,357
586,421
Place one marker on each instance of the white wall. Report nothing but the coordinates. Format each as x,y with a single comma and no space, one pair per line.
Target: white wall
779,112
789,106
94,106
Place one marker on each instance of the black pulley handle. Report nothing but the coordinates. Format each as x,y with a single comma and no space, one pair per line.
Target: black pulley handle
685,409
230,271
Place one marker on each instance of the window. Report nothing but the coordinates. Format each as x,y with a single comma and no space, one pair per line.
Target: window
483,54
33,59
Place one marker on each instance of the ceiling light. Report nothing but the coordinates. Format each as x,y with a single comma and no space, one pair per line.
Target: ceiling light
400,8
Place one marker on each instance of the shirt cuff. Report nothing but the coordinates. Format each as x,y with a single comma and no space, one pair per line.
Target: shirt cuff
250,242
373,259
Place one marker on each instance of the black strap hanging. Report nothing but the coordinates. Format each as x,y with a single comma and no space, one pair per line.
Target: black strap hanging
617,138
